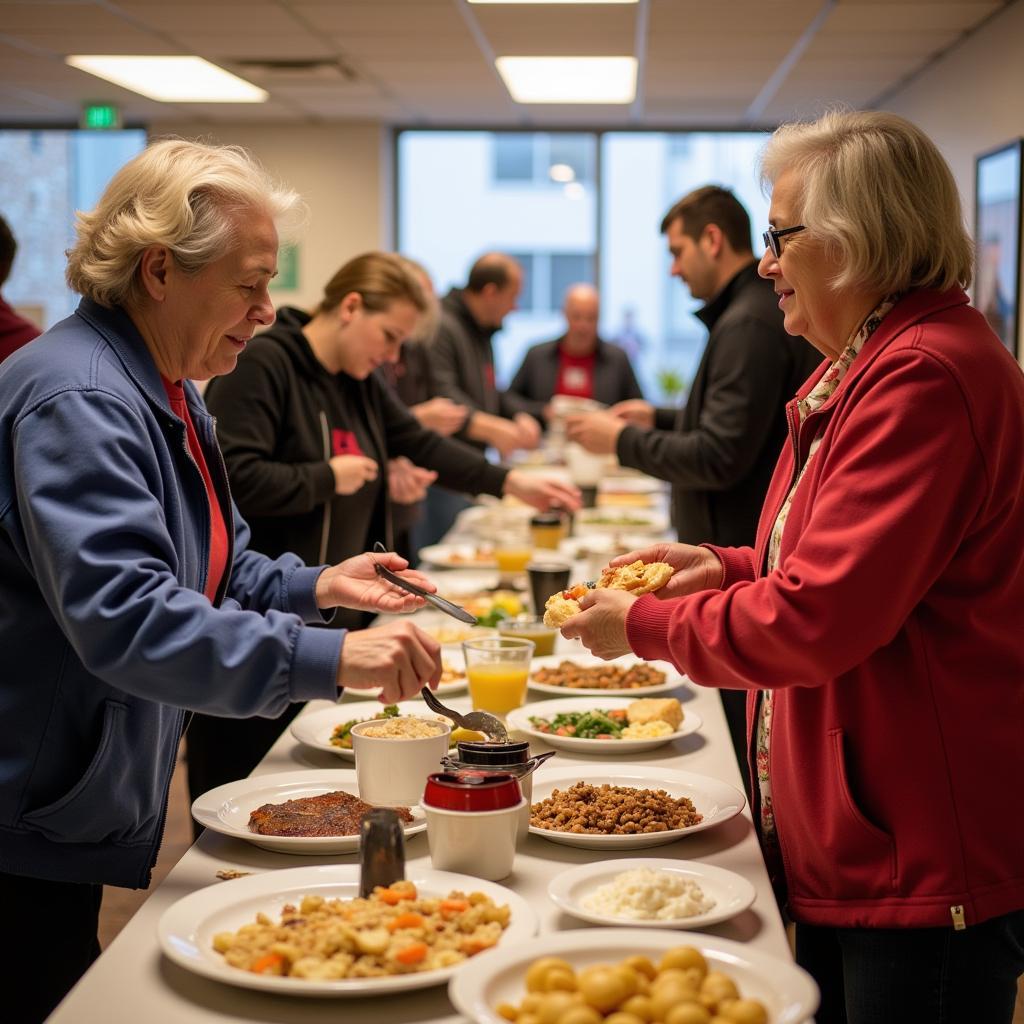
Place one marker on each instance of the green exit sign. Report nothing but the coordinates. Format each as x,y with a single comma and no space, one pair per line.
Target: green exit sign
99,116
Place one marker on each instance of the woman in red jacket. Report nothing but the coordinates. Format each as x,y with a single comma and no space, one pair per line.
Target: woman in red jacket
877,623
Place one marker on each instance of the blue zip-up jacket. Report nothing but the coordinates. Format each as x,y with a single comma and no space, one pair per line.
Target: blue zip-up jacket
106,638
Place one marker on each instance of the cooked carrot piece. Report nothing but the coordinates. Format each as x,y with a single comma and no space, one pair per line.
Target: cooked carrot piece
454,906
267,963
411,954
407,920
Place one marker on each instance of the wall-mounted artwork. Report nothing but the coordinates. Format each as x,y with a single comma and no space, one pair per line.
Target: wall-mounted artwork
997,235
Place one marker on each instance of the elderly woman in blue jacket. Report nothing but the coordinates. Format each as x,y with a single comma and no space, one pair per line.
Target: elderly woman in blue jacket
128,594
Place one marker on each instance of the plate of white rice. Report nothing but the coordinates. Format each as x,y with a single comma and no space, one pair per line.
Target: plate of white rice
649,892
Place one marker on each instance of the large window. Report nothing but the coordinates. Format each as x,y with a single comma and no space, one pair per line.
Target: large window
44,177
539,197
461,194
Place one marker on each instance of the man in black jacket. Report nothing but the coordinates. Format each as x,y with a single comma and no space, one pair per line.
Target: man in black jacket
579,364
463,360
720,448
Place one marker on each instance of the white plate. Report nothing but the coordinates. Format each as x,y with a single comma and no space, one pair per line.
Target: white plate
484,521
226,809
787,991
456,556
732,893
622,520
598,547
520,719
457,584
631,485
673,679
186,929
315,728
717,801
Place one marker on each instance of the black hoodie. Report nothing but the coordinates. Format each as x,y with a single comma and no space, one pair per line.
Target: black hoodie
281,416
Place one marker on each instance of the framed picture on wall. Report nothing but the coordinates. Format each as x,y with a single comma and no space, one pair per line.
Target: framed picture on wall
997,235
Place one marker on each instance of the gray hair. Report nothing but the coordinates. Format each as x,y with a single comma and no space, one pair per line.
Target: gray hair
876,190
187,196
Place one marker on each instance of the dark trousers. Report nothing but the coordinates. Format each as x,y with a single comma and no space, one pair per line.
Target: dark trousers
924,975
49,942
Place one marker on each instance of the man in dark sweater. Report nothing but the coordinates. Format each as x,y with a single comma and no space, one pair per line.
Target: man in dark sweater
463,360
719,450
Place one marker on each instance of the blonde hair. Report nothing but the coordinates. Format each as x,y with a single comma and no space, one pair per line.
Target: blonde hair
877,192
187,196
379,278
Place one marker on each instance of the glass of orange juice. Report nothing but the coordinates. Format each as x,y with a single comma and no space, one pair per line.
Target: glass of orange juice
513,549
497,668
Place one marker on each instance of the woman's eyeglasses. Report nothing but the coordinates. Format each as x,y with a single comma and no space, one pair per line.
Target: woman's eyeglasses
772,235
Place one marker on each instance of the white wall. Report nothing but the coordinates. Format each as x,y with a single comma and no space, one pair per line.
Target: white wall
972,100
343,171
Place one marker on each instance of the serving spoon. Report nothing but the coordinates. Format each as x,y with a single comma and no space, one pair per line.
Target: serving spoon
478,721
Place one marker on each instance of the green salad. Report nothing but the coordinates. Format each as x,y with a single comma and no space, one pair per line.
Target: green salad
584,725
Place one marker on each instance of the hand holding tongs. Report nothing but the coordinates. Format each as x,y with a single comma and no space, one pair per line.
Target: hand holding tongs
454,610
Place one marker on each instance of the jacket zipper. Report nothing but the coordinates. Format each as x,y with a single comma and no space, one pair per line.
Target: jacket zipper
325,531
168,775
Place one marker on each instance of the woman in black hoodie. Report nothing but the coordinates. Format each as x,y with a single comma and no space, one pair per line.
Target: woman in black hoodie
307,429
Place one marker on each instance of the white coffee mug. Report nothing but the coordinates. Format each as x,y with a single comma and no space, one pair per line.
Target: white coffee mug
477,843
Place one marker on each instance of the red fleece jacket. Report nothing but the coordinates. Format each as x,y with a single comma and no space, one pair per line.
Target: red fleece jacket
892,631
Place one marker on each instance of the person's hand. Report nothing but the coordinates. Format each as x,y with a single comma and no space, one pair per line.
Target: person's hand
440,414
529,430
635,411
354,583
598,432
541,492
601,625
408,483
351,472
502,434
398,657
695,568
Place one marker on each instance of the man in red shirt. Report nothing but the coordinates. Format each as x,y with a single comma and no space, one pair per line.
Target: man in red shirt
578,364
15,330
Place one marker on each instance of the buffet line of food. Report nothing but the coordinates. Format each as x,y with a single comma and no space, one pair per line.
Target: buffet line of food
582,773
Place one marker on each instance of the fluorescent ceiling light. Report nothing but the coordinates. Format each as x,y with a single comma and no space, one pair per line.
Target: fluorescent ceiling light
170,79
569,79
550,1
553,1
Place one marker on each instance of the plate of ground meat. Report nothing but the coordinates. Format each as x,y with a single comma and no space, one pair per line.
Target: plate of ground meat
583,675
312,812
612,807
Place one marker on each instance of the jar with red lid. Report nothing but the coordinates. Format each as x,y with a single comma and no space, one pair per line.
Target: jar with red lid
472,821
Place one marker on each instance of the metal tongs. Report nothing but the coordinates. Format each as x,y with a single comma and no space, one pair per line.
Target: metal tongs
478,721
454,610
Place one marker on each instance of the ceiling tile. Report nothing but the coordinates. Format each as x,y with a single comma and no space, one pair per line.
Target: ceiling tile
215,19
858,16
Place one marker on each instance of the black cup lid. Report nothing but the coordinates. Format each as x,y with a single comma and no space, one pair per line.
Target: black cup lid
546,519
494,753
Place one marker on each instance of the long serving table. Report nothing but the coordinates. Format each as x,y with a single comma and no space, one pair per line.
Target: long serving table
132,983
